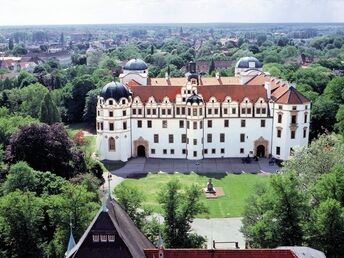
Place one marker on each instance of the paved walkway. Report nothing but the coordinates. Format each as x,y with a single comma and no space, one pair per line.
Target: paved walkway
141,166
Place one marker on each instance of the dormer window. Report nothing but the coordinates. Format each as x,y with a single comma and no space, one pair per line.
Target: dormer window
95,238
110,102
103,238
111,238
123,101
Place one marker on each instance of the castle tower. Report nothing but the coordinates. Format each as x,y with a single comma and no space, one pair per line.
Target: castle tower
135,69
113,122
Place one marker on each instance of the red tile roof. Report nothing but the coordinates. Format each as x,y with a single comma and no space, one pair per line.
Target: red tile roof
158,92
216,253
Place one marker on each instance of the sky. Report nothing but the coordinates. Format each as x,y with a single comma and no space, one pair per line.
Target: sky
38,12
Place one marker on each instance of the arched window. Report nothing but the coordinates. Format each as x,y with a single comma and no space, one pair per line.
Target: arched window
110,102
112,144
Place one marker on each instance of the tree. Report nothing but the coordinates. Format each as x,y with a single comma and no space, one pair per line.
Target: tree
282,211
49,113
19,50
335,90
46,148
91,106
179,209
211,67
21,222
10,44
339,126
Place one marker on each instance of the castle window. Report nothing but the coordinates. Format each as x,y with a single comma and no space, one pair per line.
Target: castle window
222,151
264,111
170,138
123,101
201,125
95,238
154,112
200,111
195,153
183,110
124,125
172,151
163,111
183,138
209,111
216,111
209,137
293,119
110,114
164,123
98,113
194,141
149,123
194,125
279,132
164,151
248,110
292,134
222,137
243,111
169,112
242,137
294,107
111,238
243,123
304,132
210,123
194,111
124,113
306,107
279,120
134,111
110,102
181,123
156,138
278,150
189,111
152,151
188,124
233,111
226,123
111,127
213,151
178,111
225,111
262,123
148,111
242,150
306,118
139,111
280,107
101,126
258,111
112,144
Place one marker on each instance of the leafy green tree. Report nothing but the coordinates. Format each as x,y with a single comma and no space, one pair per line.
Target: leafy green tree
326,228
339,126
335,90
19,50
179,209
24,79
21,223
91,106
49,113
280,212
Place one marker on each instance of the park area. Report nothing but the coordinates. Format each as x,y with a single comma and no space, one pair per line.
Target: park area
236,187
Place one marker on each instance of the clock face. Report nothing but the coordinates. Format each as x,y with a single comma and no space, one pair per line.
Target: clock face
251,64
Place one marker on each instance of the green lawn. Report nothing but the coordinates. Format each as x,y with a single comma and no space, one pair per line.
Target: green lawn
236,187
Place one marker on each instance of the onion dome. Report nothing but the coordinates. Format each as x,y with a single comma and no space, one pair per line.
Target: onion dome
135,65
115,90
194,99
248,62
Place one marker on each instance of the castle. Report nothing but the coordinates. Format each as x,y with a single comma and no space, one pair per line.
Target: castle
197,117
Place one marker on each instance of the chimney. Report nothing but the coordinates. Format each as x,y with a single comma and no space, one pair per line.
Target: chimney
267,86
167,76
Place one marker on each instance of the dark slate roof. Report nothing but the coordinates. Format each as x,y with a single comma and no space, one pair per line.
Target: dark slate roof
244,62
194,99
115,90
112,219
135,65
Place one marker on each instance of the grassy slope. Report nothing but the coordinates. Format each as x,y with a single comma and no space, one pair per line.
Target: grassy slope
236,187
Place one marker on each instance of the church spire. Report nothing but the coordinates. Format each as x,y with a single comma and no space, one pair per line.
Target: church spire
71,242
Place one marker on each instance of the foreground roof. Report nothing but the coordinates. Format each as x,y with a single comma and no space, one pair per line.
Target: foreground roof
217,253
111,220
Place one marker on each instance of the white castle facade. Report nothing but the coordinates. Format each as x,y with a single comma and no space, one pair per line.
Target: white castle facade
196,117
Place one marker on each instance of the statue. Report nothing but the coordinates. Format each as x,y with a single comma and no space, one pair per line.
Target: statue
210,187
